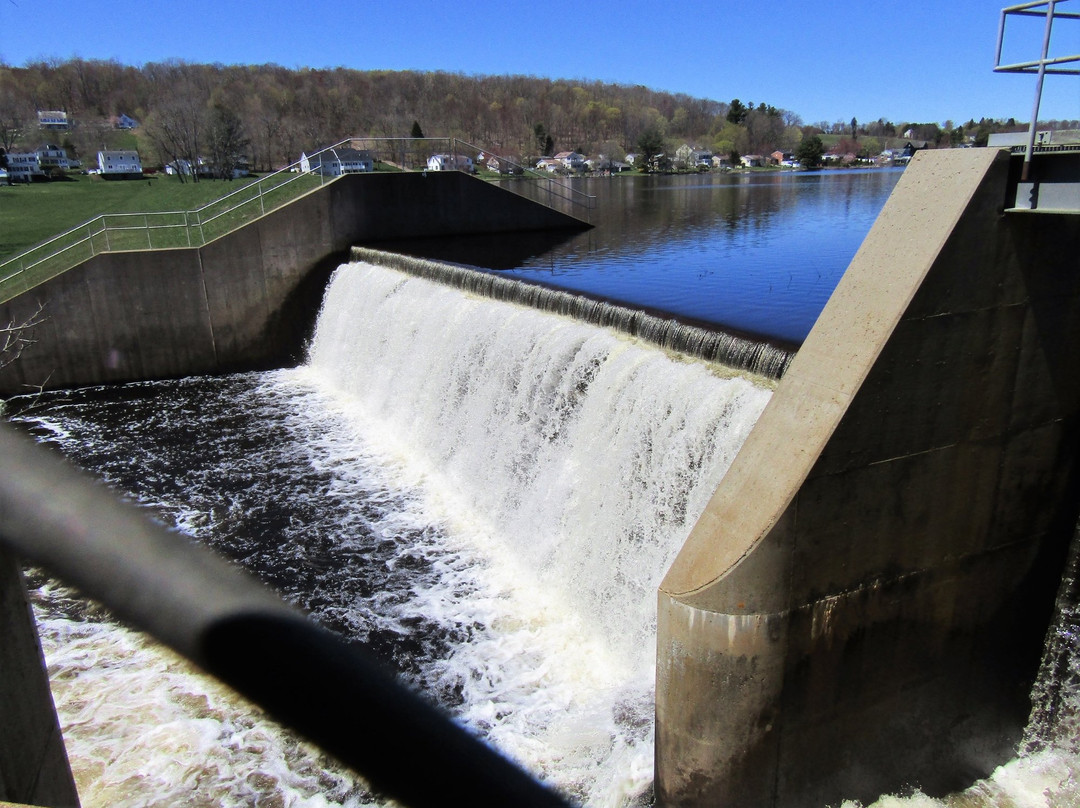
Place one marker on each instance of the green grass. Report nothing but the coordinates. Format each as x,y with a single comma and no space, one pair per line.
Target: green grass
42,236
33,213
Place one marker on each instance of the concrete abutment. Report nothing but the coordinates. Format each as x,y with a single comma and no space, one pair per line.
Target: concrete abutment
863,604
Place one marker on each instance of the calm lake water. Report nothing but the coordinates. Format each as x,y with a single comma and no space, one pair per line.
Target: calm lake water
754,253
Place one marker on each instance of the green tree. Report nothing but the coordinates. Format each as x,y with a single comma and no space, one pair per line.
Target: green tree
737,111
417,132
545,144
810,151
650,144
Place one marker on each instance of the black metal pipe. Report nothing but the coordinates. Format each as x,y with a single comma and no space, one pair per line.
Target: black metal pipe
234,627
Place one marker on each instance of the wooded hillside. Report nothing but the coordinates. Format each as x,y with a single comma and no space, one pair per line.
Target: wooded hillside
278,112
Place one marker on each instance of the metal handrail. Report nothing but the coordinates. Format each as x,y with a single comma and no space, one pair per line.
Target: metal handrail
232,626
60,253
55,256
1043,66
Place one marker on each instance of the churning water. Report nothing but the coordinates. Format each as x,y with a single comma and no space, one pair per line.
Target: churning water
485,495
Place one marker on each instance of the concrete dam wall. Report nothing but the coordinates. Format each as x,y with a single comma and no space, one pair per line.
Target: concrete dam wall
248,299
863,604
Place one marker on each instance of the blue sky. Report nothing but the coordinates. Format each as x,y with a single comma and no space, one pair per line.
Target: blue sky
917,61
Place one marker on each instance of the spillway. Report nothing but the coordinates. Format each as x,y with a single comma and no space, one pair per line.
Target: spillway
484,493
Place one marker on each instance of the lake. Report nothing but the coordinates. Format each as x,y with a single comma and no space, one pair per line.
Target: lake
756,253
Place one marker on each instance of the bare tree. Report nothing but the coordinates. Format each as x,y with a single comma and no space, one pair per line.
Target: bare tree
226,141
15,337
177,124
15,111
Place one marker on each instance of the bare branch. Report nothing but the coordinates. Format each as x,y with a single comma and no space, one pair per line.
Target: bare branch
15,337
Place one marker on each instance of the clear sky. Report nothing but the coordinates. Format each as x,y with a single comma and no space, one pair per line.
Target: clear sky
919,61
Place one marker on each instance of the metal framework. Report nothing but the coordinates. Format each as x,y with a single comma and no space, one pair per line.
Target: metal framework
1044,65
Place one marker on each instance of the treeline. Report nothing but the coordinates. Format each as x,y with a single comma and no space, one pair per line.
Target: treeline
274,113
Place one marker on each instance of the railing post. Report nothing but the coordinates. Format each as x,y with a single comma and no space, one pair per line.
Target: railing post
146,226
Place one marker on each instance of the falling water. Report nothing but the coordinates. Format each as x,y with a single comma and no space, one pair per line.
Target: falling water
484,493
742,353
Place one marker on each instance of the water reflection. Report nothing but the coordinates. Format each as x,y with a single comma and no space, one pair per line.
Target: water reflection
752,253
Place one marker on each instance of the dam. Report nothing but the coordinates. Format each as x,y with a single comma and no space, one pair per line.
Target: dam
604,557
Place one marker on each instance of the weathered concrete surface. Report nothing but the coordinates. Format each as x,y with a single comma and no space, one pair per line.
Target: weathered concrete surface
247,300
863,603
33,763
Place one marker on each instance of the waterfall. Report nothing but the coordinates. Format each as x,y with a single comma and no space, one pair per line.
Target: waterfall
734,351
569,462
1055,715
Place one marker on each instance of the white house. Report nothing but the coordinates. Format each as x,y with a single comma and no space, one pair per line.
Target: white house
53,158
450,162
119,165
335,162
24,167
178,167
503,165
53,119
688,156
571,161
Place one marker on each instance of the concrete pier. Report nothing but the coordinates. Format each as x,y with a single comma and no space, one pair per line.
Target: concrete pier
863,604
33,762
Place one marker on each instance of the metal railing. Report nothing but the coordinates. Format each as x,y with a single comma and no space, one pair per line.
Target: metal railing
1041,67
158,230
416,154
178,229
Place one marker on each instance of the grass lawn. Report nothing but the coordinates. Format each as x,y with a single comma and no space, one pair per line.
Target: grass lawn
33,213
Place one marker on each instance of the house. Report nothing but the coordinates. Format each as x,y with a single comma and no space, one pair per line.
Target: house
549,164
752,160
687,156
571,161
54,160
334,162
503,165
54,119
123,121
177,167
119,165
181,166
49,160
606,165
450,162
24,167
784,158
